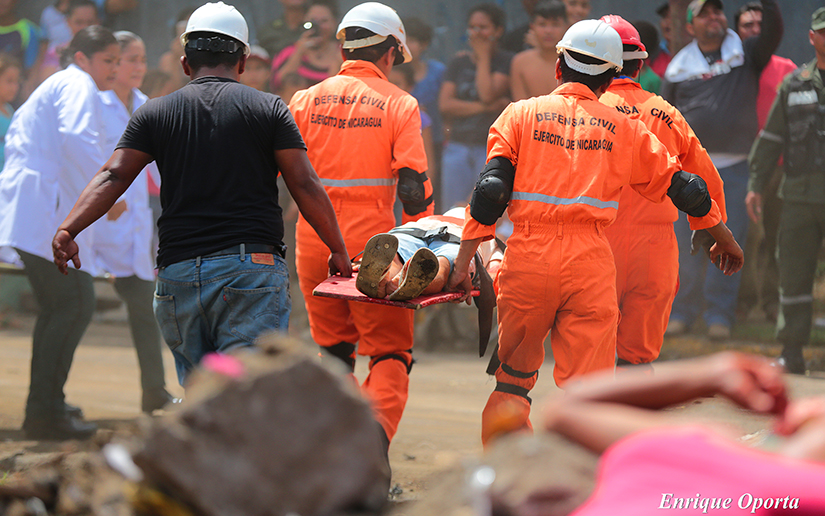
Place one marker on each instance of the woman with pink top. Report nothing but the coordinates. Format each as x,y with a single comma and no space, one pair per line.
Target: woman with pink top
317,54
652,461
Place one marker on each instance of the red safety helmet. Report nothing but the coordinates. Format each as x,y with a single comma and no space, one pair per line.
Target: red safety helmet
629,34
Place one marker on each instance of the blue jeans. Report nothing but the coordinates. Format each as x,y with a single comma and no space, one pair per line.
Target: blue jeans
215,304
461,165
408,245
701,285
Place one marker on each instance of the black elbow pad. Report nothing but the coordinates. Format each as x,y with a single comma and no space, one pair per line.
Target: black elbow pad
689,193
411,191
492,191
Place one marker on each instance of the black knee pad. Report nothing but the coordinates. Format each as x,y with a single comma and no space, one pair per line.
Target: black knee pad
689,193
411,191
395,356
515,390
492,191
345,351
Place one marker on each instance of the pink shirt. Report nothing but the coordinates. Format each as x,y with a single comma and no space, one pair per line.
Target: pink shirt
659,65
772,75
312,74
683,469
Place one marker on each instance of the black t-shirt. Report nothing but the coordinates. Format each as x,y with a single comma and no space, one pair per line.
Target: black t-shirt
513,41
214,142
721,106
472,130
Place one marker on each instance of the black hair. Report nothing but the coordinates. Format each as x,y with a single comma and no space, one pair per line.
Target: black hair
9,61
371,53
88,41
750,6
75,4
649,36
550,9
594,82
126,38
631,66
418,29
183,16
406,70
332,5
198,59
494,12
154,81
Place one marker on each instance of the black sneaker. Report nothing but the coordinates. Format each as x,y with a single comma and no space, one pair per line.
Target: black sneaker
152,402
62,428
73,411
792,362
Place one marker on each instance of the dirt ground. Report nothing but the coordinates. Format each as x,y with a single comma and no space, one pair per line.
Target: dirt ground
441,425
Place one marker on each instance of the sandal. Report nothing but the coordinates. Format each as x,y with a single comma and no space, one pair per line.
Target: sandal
375,263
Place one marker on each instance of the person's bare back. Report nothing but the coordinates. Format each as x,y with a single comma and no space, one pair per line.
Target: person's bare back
532,74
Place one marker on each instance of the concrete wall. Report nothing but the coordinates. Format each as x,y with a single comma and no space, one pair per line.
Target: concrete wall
154,19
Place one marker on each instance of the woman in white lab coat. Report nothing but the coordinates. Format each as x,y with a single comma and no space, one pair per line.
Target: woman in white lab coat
53,149
123,239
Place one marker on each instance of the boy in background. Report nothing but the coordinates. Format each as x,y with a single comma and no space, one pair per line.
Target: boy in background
531,70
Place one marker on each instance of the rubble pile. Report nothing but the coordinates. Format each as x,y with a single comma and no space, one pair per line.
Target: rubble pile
518,475
270,431
69,484
286,434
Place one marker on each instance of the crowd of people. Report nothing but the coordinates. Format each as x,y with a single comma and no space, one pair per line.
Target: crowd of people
552,137
612,199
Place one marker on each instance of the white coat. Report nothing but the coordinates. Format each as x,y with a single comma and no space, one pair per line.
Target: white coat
123,247
53,149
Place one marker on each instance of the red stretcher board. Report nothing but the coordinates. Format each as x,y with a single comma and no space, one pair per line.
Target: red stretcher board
344,288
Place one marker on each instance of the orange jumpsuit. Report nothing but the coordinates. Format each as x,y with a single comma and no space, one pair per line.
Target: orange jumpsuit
642,238
572,156
360,131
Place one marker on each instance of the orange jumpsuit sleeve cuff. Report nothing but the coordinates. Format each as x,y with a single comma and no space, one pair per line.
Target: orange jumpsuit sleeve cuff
713,218
474,229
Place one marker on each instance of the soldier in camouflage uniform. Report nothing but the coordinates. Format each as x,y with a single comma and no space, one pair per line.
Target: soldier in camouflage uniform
796,129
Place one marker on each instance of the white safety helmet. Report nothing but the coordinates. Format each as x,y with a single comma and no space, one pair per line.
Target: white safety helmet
219,18
380,19
592,38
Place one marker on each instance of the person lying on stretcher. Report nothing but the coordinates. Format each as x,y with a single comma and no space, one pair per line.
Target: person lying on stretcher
416,259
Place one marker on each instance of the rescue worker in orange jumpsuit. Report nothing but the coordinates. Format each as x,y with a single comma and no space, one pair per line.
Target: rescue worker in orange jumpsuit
642,238
363,137
560,161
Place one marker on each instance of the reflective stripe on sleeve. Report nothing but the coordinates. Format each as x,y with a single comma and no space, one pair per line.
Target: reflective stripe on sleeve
346,183
771,136
796,300
549,199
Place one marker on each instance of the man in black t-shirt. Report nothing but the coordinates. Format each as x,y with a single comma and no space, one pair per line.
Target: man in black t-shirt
222,279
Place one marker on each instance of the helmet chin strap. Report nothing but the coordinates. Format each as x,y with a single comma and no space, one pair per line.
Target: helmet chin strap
638,54
364,42
215,44
589,69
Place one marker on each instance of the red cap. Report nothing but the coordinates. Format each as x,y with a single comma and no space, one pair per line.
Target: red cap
629,35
